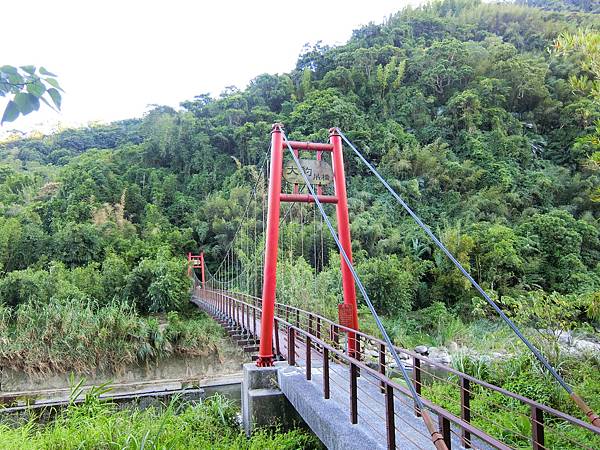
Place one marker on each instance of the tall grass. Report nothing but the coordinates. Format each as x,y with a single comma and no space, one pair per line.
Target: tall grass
95,424
74,336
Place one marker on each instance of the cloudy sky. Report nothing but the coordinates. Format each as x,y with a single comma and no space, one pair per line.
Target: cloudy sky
114,58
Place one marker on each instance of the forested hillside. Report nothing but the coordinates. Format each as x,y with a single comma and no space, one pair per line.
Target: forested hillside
590,6
468,108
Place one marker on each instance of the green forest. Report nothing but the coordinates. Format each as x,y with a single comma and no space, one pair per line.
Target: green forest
484,117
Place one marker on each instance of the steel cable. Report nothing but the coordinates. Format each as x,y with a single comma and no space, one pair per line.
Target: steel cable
362,289
459,266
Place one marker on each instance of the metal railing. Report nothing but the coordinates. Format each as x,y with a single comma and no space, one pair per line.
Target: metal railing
466,408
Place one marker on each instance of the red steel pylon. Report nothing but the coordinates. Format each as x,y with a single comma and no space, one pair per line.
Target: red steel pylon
275,197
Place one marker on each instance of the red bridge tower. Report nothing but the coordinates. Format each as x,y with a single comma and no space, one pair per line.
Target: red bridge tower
348,310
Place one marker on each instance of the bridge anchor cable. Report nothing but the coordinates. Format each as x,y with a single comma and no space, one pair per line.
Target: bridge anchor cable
590,414
436,436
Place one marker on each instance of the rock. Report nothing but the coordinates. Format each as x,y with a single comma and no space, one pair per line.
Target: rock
446,359
372,364
575,346
393,371
453,347
422,349
372,354
440,355
586,347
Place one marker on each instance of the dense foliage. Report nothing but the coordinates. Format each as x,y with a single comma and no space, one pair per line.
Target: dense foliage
475,115
27,85
590,6
75,336
213,424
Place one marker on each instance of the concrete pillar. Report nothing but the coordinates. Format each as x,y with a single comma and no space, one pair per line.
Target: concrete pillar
263,403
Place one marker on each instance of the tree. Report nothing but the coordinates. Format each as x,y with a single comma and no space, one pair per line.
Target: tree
586,44
28,85
563,5
559,253
323,109
442,68
158,284
391,283
78,244
497,256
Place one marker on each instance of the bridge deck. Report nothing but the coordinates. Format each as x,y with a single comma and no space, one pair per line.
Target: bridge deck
307,397
357,396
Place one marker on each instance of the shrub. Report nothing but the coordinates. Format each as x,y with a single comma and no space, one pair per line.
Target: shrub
71,335
96,424
158,284
390,282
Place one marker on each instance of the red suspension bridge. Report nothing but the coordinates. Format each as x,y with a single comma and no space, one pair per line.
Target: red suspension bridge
377,386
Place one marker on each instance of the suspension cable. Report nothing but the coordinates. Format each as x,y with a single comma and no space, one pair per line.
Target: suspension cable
582,405
435,435
246,209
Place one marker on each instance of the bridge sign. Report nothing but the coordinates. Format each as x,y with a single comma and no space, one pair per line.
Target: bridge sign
318,172
345,315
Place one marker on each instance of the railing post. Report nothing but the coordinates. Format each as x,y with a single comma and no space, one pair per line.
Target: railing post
291,350
336,336
326,373
333,339
382,366
445,430
465,410
318,328
353,394
248,317
308,358
390,425
276,326
417,381
537,428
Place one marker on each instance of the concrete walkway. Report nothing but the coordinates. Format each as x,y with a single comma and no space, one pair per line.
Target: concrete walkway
329,418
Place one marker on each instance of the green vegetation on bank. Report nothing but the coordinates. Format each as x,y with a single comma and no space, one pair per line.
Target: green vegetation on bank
213,424
486,126
76,336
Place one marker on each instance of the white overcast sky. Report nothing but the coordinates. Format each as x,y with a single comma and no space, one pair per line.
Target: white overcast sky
114,58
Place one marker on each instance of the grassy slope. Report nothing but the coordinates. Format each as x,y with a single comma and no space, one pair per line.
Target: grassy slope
211,425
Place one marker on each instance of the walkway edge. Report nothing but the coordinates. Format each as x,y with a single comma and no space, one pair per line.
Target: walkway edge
324,417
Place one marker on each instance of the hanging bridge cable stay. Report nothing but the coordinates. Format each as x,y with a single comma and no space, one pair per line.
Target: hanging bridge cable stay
436,436
222,272
322,243
253,288
264,162
316,274
247,268
591,415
